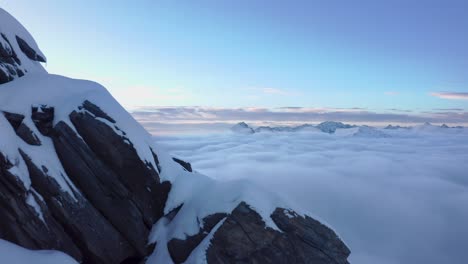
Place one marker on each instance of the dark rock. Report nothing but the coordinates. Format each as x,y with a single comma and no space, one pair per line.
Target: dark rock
244,238
101,186
9,62
316,242
5,76
170,216
30,52
15,120
97,239
96,111
119,155
43,117
21,224
180,249
187,166
25,133
117,200
7,53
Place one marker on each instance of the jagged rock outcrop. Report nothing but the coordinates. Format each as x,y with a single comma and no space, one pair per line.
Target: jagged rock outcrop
78,174
180,249
19,53
19,221
244,238
186,165
22,130
97,240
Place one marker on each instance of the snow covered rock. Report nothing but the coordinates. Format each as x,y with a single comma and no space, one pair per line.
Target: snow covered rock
79,175
22,130
186,165
19,53
242,128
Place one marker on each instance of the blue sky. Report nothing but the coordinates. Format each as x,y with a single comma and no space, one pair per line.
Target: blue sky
377,55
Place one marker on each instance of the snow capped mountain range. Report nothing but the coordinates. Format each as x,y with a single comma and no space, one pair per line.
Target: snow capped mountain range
337,128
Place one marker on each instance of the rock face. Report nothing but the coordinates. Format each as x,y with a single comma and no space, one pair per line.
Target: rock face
119,194
22,130
91,183
244,238
180,249
20,223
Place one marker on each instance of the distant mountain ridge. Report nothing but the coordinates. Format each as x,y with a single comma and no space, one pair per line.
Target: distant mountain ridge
329,127
326,127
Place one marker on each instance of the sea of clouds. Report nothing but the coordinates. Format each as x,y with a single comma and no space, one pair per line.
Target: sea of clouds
402,198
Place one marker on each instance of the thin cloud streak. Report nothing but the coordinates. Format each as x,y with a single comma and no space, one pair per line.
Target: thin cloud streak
451,95
449,109
276,91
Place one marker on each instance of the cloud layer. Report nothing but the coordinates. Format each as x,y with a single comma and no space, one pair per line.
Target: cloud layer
161,120
401,199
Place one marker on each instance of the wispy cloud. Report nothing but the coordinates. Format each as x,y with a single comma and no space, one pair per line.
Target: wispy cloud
275,91
262,91
448,109
391,93
400,110
451,95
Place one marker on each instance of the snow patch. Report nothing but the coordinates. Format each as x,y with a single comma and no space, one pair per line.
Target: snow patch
33,203
11,253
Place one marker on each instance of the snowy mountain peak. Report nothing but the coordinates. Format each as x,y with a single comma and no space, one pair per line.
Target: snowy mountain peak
19,53
242,128
332,126
326,127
